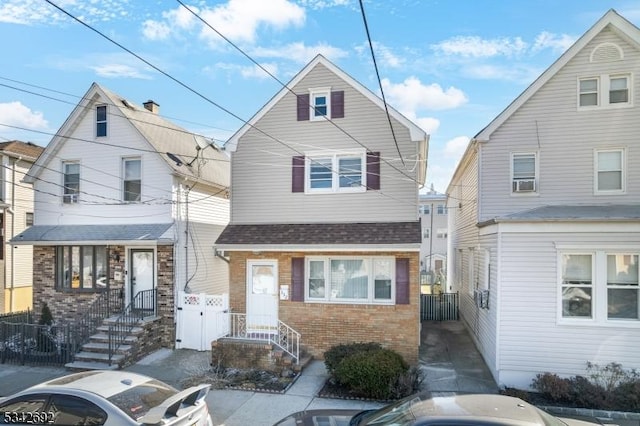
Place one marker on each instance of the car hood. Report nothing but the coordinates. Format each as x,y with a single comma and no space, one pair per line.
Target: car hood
316,417
580,421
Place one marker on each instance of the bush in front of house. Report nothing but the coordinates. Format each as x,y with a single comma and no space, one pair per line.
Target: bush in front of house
608,387
336,354
370,371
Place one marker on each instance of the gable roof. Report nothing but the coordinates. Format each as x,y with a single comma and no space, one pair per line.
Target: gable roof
211,167
611,19
25,150
417,134
617,23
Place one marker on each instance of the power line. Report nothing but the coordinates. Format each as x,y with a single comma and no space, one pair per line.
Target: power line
200,94
375,64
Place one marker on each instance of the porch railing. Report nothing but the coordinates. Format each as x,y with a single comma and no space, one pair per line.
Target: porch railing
265,328
108,303
17,317
142,305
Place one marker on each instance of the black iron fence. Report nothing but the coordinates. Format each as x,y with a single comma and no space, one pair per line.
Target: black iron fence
21,316
35,344
439,307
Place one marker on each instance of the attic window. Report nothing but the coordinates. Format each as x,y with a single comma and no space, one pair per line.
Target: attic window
101,121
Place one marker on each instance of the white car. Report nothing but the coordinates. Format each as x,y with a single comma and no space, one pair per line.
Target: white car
106,398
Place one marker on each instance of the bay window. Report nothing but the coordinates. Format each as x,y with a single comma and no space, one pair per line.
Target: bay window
350,279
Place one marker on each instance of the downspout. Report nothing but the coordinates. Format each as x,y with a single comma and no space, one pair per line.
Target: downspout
186,240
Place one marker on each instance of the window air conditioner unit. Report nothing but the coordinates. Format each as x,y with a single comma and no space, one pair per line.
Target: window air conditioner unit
524,185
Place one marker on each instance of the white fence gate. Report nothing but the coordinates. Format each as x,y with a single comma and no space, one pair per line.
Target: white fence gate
201,319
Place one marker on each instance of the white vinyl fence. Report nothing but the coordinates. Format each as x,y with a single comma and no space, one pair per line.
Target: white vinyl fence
201,319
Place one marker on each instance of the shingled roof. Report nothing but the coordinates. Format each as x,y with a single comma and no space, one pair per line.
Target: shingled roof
26,150
326,234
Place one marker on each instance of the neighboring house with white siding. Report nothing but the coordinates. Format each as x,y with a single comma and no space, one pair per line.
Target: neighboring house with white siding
16,202
433,250
333,250
544,225
126,201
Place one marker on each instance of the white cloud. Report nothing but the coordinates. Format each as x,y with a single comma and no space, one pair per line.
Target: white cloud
118,70
173,20
514,72
239,20
411,95
16,114
455,147
300,53
32,12
476,47
248,72
324,4
556,42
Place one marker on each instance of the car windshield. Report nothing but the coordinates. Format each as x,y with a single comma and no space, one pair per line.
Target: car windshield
137,401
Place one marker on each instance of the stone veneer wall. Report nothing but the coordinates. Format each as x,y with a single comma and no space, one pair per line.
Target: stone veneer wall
66,306
323,325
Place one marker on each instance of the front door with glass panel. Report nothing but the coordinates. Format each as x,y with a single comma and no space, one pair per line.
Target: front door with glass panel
262,296
142,279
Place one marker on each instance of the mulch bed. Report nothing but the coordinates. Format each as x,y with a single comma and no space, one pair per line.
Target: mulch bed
251,380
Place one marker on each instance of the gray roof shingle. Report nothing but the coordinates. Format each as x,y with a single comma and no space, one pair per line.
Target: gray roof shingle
573,213
386,233
40,234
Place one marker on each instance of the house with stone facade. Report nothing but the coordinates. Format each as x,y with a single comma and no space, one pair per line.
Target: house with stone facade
16,214
324,237
544,218
128,206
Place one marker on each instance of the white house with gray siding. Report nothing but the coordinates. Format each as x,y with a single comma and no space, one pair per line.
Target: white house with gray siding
126,199
333,249
544,229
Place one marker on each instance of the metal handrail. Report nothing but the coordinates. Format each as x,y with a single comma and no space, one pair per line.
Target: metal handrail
142,305
106,304
265,328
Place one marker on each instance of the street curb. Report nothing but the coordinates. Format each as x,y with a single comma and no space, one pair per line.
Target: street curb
590,412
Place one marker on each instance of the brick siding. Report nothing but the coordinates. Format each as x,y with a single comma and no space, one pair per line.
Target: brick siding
323,325
67,306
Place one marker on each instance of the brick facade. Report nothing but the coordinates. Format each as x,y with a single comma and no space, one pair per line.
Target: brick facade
323,325
67,306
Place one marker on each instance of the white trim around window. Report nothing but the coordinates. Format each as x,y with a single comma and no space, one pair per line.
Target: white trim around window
605,91
525,170
609,175
131,179
336,172
320,104
599,287
350,279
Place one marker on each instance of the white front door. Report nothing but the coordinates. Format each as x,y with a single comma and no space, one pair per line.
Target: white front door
262,296
142,278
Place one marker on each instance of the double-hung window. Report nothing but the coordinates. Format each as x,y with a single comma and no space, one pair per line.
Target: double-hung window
132,179
604,91
350,279
523,172
609,173
101,120
602,286
70,182
81,267
425,209
441,209
336,173
320,104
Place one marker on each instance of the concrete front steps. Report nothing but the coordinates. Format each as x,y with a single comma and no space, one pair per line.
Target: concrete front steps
95,354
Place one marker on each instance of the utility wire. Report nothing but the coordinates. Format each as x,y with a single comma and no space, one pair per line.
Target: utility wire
375,64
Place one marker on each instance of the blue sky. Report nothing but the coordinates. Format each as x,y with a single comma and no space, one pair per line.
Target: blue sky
450,66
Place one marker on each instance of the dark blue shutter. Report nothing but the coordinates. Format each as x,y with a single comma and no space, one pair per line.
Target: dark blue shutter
402,281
